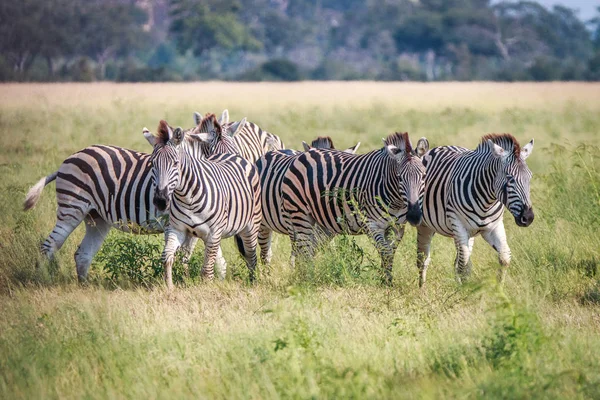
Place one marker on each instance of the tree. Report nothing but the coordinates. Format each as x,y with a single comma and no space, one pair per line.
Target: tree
108,29
20,32
200,26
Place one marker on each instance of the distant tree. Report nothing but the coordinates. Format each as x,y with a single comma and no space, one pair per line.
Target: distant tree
108,29
20,32
201,25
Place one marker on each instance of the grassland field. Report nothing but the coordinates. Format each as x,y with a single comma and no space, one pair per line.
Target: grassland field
328,330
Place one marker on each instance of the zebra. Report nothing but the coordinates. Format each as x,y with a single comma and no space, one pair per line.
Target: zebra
465,194
107,187
208,198
252,142
271,167
373,193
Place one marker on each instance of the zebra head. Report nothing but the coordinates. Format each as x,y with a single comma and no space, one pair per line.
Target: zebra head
512,181
165,161
325,142
410,174
218,137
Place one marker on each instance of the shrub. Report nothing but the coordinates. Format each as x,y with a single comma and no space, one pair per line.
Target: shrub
137,259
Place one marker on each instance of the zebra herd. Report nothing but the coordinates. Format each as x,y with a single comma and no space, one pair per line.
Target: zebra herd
220,179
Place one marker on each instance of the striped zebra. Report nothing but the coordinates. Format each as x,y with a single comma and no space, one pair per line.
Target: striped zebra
373,194
252,142
465,194
209,198
272,167
107,187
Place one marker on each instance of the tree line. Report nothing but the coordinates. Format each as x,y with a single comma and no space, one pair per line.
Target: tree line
177,40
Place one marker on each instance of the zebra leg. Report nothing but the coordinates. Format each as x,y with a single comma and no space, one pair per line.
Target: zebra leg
246,243
302,237
497,239
212,247
67,219
221,264
173,240
187,248
265,235
462,262
424,236
387,251
96,230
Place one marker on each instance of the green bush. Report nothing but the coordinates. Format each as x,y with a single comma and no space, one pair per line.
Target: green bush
136,259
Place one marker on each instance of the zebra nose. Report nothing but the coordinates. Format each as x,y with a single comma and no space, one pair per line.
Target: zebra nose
414,214
526,217
160,200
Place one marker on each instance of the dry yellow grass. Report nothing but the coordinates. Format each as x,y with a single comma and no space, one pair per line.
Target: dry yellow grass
485,96
299,335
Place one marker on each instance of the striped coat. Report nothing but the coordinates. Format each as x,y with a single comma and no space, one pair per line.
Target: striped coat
211,198
272,168
107,187
373,193
465,195
251,141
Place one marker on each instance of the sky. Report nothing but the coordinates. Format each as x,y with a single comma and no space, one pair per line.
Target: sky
587,8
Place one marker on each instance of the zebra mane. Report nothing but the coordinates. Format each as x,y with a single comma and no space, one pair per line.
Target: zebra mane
208,123
163,131
504,140
323,142
399,140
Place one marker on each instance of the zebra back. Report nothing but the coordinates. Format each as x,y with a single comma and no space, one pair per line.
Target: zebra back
341,191
272,168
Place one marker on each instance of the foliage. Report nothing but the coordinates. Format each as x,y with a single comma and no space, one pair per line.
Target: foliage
201,26
137,260
292,40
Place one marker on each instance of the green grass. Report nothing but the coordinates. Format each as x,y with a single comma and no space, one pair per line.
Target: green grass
328,330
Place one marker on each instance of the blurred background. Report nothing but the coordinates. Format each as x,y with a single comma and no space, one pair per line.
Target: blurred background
290,40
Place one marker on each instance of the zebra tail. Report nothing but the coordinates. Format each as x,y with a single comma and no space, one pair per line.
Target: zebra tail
36,191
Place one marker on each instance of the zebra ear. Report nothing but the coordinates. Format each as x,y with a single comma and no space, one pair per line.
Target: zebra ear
353,149
422,147
200,137
197,118
149,137
224,117
177,136
305,145
498,151
394,151
235,128
526,150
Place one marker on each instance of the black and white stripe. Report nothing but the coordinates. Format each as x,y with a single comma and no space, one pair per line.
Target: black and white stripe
465,194
373,194
107,187
210,199
251,141
272,168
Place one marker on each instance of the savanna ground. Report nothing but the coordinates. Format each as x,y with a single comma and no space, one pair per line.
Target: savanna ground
328,329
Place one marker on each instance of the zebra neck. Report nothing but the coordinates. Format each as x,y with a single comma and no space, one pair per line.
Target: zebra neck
191,182
483,182
389,188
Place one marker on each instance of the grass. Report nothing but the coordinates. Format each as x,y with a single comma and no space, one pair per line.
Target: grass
329,330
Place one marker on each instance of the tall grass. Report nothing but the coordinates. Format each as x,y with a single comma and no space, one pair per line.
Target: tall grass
328,328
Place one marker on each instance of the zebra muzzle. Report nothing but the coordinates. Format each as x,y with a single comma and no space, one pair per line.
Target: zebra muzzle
526,218
414,214
160,200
